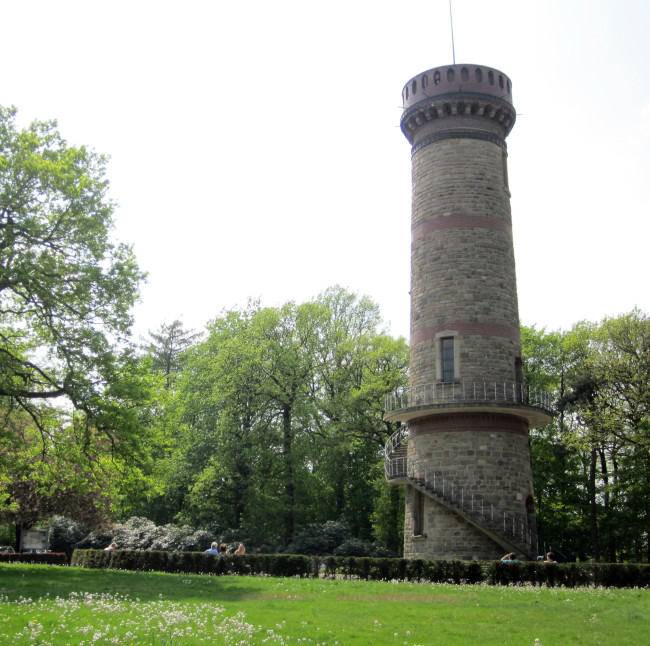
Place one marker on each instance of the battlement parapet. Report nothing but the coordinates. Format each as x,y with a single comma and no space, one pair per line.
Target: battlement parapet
463,99
457,78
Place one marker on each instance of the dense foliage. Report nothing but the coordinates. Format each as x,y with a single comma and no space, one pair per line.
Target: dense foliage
592,464
275,422
65,287
73,393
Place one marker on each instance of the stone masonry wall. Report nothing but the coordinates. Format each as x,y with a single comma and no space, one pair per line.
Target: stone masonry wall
487,454
462,260
446,535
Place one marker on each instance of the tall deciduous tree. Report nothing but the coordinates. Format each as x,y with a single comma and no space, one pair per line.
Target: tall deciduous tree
590,465
66,289
65,476
611,399
559,478
278,418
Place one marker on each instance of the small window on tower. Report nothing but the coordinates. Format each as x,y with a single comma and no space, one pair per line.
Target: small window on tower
448,345
447,350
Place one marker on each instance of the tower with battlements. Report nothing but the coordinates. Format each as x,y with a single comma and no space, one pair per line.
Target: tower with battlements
463,449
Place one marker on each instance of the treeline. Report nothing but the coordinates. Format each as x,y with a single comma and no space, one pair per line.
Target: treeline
268,429
276,424
591,466
273,422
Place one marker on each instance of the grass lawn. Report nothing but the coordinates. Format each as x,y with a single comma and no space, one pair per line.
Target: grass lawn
57,605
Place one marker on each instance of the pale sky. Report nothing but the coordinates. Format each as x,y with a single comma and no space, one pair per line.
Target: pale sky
256,151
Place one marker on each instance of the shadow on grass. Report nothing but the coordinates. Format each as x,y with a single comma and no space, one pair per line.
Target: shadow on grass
34,581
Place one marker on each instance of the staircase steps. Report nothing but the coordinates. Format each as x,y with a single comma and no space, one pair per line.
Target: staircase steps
396,472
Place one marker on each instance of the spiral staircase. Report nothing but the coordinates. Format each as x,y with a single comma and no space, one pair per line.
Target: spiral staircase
507,530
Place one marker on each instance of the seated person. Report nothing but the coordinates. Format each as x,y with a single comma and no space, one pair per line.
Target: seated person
214,549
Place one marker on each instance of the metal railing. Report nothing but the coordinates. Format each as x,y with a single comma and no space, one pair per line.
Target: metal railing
399,437
509,526
468,392
395,466
474,505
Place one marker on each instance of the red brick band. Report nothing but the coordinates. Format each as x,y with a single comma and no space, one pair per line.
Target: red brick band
460,222
462,422
511,332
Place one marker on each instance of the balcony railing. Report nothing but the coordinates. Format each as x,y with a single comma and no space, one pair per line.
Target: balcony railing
469,393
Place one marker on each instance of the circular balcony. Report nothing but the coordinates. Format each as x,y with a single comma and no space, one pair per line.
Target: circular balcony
495,397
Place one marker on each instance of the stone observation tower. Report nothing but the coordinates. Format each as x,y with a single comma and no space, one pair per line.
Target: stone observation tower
463,451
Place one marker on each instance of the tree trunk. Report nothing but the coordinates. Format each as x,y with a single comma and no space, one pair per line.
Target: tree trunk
289,486
19,530
595,546
610,534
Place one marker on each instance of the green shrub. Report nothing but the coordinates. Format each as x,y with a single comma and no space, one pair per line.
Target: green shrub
66,535
319,539
414,569
331,565
381,569
384,569
289,565
473,572
355,547
500,573
435,571
620,575
43,558
7,534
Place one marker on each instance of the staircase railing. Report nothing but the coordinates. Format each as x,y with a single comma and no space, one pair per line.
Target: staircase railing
481,510
457,497
395,466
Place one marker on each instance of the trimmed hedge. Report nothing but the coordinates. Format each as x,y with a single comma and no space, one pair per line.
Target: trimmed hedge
570,575
44,558
280,565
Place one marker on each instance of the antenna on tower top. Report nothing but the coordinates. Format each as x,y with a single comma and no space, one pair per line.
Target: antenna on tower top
451,22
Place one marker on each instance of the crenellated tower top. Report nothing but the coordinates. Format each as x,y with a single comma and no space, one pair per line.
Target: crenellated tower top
478,98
